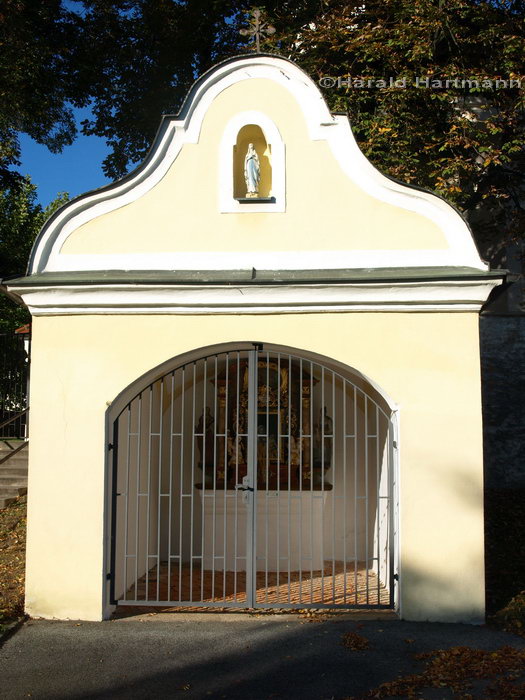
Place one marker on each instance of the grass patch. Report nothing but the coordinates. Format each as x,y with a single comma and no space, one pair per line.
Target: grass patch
12,561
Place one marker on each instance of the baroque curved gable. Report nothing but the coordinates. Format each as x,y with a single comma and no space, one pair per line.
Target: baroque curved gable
327,206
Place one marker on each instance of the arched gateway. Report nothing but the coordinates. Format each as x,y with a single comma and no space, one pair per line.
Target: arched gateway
253,476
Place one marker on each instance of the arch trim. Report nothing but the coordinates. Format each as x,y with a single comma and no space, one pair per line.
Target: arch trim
152,375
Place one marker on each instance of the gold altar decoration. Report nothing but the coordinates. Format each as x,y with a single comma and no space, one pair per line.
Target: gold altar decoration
287,437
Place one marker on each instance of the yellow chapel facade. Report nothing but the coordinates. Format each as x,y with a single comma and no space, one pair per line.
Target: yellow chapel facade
255,374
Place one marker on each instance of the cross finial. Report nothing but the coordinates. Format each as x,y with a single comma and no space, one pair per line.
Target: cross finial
257,28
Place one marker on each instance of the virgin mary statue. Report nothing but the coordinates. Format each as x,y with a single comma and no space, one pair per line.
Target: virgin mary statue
252,171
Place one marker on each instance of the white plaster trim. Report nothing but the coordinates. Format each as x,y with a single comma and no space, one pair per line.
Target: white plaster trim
227,203
321,125
260,260
239,299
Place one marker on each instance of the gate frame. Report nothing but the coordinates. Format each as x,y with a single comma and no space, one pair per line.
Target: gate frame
131,390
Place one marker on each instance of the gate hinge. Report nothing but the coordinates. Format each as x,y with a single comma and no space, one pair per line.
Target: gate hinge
108,577
110,445
394,443
396,577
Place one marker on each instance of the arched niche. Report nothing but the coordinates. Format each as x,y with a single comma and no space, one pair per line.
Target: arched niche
252,133
242,129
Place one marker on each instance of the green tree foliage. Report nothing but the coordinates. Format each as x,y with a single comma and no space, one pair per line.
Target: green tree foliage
38,78
147,55
131,60
21,218
465,143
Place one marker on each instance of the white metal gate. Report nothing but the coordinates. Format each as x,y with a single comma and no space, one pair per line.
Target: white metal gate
253,478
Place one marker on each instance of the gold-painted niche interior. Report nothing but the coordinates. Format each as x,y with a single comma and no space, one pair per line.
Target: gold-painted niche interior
252,133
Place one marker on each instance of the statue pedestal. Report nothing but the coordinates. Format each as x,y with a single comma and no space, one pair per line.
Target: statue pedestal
287,530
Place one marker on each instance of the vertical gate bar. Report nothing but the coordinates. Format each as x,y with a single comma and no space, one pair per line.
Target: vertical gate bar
237,443
392,502
126,507
311,423
148,508
345,495
355,495
334,482
170,480
226,465
323,436
203,457
137,520
278,529
366,498
159,504
181,475
267,476
378,510
290,399
251,533
113,513
214,516
193,389
301,480
267,493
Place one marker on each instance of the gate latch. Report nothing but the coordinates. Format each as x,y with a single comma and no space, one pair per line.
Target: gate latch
245,486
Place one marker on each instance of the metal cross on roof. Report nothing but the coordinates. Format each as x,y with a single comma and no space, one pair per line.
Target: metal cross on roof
257,28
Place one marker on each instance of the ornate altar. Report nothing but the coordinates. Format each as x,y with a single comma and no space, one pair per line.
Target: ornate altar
293,447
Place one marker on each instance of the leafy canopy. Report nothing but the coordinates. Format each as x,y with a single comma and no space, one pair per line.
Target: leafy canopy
21,219
38,81
466,142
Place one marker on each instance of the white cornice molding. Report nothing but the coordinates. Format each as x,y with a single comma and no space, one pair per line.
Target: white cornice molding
450,295
321,124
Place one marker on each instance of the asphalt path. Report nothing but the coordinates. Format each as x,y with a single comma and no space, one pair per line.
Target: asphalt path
221,656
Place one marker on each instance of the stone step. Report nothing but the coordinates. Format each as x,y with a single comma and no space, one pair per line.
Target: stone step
21,472
13,463
12,481
21,454
4,448
10,491
13,472
18,457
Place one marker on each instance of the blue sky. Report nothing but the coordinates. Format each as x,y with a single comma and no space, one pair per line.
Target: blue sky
76,170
